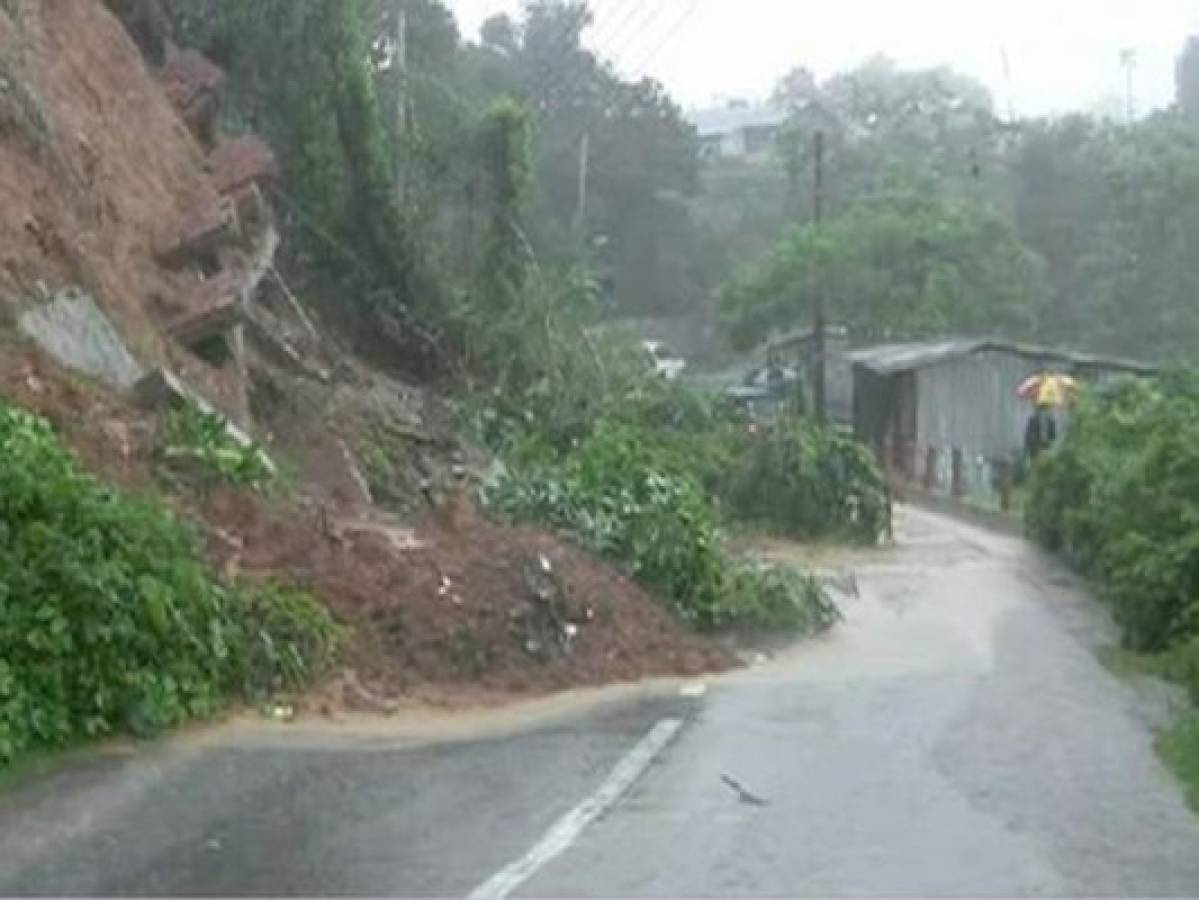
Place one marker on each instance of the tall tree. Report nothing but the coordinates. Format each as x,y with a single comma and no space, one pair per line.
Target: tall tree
913,260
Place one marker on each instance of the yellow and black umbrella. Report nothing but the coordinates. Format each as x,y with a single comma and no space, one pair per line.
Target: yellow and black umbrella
1050,389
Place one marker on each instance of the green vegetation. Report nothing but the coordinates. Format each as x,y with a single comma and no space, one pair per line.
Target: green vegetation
635,501
1120,498
1179,748
803,481
109,618
910,261
646,472
943,217
198,443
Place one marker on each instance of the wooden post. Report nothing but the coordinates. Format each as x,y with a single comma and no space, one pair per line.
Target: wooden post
1003,479
959,472
930,469
819,386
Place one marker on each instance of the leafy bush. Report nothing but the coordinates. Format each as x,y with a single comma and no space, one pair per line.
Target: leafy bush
109,620
1121,499
1179,747
288,638
199,441
635,502
805,481
629,501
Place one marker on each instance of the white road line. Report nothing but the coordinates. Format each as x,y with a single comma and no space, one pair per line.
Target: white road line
567,829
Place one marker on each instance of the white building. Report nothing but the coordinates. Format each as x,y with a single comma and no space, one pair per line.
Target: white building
738,130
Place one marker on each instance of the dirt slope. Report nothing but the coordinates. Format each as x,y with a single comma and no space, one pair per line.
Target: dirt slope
94,164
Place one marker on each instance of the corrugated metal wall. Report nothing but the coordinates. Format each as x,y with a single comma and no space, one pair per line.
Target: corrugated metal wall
972,404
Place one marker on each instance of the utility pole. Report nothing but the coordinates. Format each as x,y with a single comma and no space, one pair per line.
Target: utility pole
401,67
1128,59
1007,84
819,387
584,166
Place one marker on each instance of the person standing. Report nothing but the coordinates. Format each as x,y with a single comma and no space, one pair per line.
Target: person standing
1041,433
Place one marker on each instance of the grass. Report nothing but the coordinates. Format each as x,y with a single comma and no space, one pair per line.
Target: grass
1128,664
39,763
1179,749
1178,746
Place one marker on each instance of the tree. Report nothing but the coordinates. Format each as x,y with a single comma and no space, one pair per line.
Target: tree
878,115
1060,199
913,261
499,33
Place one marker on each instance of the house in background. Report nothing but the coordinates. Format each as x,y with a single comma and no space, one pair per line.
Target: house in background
927,408
738,130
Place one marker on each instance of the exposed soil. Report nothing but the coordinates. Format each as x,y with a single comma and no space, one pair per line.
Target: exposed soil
457,606
107,166
466,601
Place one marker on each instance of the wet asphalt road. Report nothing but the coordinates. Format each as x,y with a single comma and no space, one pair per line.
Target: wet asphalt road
955,736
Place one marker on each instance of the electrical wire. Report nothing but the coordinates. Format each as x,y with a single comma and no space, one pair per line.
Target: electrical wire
679,24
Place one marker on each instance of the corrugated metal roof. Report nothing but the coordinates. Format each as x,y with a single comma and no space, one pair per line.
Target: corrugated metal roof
890,359
735,117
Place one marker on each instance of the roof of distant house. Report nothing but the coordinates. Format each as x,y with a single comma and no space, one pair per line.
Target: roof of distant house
735,117
891,359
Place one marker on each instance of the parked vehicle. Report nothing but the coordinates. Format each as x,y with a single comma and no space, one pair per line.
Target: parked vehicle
764,390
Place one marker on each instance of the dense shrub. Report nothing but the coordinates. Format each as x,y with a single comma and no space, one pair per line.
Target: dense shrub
635,502
630,501
804,481
109,620
287,639
1121,499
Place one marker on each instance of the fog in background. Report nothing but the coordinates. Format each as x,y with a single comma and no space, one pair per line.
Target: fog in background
1061,56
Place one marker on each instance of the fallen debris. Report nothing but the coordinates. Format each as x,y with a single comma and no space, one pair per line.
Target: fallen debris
198,238
744,796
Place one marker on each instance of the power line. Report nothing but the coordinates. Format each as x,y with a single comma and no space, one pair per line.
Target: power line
613,23
655,12
690,11
633,28
546,77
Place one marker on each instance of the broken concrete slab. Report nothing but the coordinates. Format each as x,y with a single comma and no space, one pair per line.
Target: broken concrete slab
214,306
163,389
73,330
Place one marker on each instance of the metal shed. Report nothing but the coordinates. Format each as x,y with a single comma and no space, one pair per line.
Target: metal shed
923,401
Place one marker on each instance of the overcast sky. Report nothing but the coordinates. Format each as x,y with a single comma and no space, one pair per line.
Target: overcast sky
1063,54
